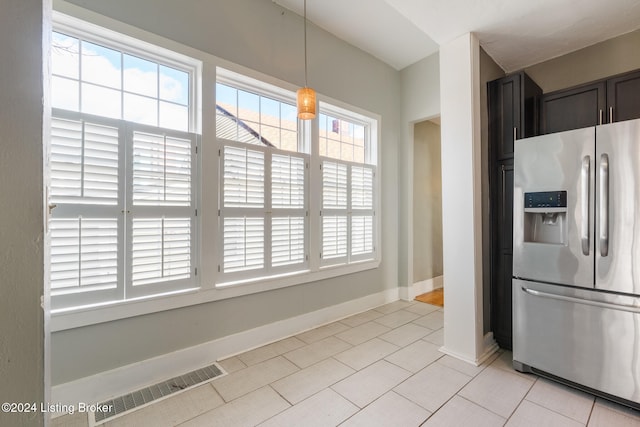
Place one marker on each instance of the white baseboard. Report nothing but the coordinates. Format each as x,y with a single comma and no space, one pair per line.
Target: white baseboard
418,288
489,347
116,382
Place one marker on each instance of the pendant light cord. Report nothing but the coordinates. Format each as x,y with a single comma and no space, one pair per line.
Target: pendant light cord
305,43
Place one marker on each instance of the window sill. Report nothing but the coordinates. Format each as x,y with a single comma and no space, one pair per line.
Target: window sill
90,315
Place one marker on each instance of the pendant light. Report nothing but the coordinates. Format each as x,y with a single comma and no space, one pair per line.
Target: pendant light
306,95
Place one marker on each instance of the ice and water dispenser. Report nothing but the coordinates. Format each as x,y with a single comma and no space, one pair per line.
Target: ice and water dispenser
545,217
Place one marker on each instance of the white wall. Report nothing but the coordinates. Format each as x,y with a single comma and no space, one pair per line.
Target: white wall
263,36
22,335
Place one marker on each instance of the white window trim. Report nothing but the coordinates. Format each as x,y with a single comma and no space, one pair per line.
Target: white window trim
205,107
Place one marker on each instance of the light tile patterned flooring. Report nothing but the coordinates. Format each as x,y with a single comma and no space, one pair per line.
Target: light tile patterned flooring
377,368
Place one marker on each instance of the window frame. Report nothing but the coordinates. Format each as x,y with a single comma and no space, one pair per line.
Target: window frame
114,39
78,301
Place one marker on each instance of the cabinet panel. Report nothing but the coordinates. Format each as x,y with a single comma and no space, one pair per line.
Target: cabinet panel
576,108
623,97
501,316
513,114
504,112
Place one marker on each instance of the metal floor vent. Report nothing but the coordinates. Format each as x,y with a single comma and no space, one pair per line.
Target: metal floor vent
146,395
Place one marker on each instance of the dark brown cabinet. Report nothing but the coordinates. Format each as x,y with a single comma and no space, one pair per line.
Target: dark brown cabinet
575,108
605,101
513,114
518,109
623,97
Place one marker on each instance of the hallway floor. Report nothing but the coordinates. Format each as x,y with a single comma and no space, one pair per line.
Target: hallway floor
381,367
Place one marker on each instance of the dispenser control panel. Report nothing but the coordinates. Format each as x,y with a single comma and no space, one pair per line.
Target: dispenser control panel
546,199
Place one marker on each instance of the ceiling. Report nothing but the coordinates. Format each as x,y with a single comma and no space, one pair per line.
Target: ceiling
515,33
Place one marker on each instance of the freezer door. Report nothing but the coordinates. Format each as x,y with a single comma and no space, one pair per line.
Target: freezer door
617,168
585,336
555,243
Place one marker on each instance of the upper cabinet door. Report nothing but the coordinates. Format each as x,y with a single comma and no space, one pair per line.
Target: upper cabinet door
576,108
504,115
623,97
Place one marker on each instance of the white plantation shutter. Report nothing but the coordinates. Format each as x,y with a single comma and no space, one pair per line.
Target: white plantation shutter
287,178
263,214
348,219
361,235
84,254
287,239
86,167
243,244
361,187
161,170
288,221
161,210
161,250
243,177
124,215
84,162
334,237
334,212
362,215
334,185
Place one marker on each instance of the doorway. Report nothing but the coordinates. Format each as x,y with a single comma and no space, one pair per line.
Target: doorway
427,211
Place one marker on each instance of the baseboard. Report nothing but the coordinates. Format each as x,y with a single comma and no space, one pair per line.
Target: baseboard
422,287
458,356
489,347
105,385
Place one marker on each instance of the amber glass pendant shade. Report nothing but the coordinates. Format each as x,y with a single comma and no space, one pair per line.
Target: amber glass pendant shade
306,103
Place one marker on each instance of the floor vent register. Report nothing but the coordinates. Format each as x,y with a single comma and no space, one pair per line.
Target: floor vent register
144,396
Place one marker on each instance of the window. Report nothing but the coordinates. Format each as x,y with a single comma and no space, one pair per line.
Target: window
265,190
122,170
283,201
263,215
348,188
92,78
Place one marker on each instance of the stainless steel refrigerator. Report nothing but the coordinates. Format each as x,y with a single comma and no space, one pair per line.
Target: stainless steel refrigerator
576,260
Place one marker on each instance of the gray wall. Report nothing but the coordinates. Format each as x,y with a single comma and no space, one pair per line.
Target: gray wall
614,56
263,36
427,202
489,71
21,217
420,97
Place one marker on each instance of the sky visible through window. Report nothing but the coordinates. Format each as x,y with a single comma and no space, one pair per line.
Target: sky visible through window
98,80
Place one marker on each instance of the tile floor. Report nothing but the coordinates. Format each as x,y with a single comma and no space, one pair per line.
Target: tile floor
377,368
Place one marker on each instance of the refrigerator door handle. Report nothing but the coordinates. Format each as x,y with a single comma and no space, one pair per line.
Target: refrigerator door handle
584,230
541,294
604,205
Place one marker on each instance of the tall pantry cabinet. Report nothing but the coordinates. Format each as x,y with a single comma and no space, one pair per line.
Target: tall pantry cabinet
513,114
